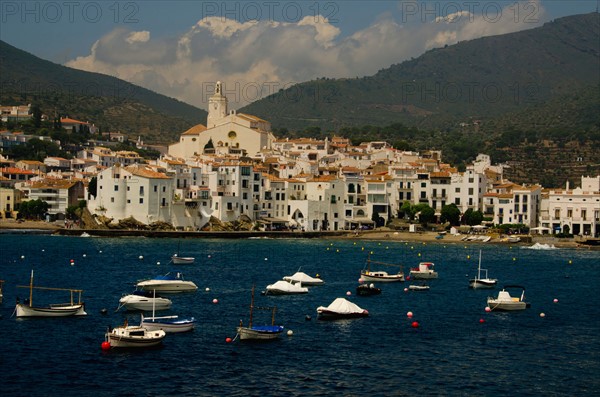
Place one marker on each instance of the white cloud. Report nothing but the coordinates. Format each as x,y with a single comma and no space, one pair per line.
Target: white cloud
258,58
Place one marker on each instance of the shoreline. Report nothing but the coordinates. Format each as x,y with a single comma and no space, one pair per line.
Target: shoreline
42,227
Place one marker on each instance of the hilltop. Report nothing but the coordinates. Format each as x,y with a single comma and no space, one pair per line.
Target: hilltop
111,103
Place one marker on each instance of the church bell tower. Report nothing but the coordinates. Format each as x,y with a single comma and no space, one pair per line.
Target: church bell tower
217,106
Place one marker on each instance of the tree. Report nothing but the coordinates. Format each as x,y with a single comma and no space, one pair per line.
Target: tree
427,215
93,186
472,218
450,213
36,114
33,209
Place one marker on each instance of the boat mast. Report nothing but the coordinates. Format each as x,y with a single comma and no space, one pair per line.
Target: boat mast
251,307
479,267
31,289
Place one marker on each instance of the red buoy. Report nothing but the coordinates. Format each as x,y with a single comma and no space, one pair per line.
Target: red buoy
415,324
228,340
481,321
105,346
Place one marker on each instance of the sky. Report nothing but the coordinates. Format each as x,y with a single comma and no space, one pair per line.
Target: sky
255,48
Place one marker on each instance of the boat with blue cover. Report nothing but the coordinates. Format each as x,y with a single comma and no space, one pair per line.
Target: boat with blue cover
259,332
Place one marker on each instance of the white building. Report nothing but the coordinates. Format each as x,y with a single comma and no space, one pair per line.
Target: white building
136,191
226,132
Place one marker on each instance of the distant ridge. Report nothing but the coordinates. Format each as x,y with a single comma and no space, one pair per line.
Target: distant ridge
111,103
477,79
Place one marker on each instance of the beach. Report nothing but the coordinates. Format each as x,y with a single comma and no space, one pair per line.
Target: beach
383,234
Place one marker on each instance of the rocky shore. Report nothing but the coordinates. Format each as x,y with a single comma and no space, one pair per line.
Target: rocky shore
378,235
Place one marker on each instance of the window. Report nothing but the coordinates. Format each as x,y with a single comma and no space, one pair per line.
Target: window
164,189
155,188
569,213
141,200
470,191
141,190
116,188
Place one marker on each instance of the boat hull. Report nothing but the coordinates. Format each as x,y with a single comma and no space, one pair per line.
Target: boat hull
324,314
169,324
387,278
423,275
134,336
276,291
23,310
133,302
506,306
166,287
260,333
365,290
482,283
180,260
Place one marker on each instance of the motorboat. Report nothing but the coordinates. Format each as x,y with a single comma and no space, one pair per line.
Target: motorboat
169,324
170,283
423,272
367,290
505,302
482,282
304,278
259,332
285,288
367,274
134,336
182,260
341,308
144,301
71,308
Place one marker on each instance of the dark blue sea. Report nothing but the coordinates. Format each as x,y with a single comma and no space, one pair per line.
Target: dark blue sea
451,353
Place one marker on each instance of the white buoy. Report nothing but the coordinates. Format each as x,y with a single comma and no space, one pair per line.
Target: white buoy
207,289
542,315
409,314
22,256
215,300
84,255
290,332
158,263
141,257
555,300
348,293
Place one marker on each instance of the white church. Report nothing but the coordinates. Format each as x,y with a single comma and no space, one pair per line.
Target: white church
226,132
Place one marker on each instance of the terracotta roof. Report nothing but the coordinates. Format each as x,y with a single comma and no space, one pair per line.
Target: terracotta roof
14,170
53,184
195,130
146,172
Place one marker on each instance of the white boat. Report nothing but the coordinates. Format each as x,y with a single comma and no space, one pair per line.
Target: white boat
170,283
182,260
134,336
304,278
418,287
504,301
145,301
259,332
341,308
285,288
169,324
71,308
369,275
482,282
424,271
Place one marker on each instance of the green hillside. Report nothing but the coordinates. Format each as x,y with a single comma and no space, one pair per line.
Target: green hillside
478,79
111,103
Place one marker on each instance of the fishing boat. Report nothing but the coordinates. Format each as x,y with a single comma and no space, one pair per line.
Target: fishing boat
341,308
505,302
170,283
482,282
423,272
71,308
367,274
169,324
134,336
367,290
285,288
259,332
144,301
305,279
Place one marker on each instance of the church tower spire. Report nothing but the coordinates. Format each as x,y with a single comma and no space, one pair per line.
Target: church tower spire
217,106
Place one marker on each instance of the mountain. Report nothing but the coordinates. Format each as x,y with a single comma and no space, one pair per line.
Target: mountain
111,103
479,79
